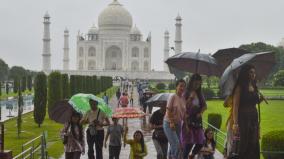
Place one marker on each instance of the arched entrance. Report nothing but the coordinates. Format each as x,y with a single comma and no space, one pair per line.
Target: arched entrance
113,58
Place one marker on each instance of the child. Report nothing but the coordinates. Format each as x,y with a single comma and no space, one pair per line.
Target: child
73,139
209,145
138,149
115,132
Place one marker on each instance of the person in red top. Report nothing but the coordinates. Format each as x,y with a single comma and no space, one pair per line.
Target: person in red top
123,100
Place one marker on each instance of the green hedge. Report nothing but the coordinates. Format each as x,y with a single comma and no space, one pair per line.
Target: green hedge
215,120
161,86
65,86
208,93
54,88
273,141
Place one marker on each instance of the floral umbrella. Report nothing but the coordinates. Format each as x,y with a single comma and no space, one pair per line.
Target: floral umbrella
80,102
128,113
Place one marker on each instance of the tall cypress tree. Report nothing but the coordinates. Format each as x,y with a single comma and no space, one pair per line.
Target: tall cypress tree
65,86
20,110
29,83
40,98
24,83
16,85
72,85
54,89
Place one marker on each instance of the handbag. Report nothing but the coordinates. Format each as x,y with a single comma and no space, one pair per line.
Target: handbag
92,127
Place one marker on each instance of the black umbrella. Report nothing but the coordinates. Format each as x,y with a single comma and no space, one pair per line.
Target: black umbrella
194,63
224,57
61,112
159,100
263,62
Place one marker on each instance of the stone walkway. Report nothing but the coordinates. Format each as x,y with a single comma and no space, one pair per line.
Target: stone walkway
135,124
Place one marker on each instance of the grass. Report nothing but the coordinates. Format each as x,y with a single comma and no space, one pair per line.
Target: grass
30,130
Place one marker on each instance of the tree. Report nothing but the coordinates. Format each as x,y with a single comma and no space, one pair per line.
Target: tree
23,83
7,88
20,110
98,85
72,85
4,70
278,79
29,82
54,89
0,88
17,72
16,84
40,98
65,86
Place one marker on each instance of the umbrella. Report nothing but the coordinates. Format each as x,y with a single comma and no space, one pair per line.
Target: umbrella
194,63
61,112
263,62
128,113
159,100
80,102
225,56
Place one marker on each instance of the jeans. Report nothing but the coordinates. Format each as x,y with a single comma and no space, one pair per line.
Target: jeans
173,138
114,152
161,148
98,140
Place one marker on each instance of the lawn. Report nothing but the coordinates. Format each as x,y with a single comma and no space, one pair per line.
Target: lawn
31,130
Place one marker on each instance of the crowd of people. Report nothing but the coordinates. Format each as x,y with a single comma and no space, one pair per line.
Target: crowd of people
178,130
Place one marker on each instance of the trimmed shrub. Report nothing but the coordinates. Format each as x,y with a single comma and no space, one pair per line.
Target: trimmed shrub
273,141
161,86
208,93
65,86
94,87
72,85
40,98
29,83
54,88
215,120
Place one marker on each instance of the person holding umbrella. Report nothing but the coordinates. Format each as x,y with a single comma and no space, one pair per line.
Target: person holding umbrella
73,137
192,130
159,138
245,116
173,119
95,132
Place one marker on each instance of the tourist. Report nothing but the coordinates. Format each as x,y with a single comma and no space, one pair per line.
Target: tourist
95,132
105,98
245,116
118,94
73,138
115,131
138,149
123,100
192,130
131,98
173,119
209,145
159,137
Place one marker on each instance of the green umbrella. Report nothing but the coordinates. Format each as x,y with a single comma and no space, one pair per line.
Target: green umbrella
80,102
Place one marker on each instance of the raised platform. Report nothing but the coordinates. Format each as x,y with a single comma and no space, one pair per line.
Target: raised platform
152,75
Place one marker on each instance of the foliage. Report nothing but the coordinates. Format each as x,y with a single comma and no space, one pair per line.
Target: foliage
20,111
16,84
40,98
65,86
208,93
4,69
273,141
279,78
161,86
54,89
17,72
29,82
7,88
172,86
98,85
23,83
0,88
72,85
215,120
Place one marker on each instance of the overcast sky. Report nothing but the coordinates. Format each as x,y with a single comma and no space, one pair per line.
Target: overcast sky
208,25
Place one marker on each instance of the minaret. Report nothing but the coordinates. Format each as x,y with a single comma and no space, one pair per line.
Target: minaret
166,50
66,50
178,41
46,43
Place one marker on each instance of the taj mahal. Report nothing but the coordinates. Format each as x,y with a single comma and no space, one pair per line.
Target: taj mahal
115,47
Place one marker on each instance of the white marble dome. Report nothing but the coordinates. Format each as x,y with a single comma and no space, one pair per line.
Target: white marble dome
115,16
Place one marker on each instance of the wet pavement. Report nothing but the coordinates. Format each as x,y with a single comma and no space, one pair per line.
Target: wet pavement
134,124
